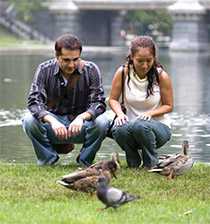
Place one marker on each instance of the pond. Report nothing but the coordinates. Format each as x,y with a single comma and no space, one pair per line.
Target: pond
190,73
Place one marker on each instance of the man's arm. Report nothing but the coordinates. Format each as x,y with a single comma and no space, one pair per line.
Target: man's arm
96,101
37,97
37,104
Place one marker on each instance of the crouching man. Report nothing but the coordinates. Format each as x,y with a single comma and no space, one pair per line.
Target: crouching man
65,101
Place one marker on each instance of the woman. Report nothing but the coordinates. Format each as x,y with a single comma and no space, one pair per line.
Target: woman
148,96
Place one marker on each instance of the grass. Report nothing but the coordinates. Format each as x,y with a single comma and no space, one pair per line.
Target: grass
29,194
9,40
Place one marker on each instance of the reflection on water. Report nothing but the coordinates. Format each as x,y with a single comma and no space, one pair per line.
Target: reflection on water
190,119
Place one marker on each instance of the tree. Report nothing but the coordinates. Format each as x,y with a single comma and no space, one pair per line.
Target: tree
25,8
149,21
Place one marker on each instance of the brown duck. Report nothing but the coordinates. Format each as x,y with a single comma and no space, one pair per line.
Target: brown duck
86,180
173,165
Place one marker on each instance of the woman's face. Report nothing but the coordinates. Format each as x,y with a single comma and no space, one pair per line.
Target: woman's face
143,60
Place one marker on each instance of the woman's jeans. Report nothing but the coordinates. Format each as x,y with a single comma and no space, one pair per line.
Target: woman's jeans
142,135
43,137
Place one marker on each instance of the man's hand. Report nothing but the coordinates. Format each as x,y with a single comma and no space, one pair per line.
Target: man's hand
60,130
75,127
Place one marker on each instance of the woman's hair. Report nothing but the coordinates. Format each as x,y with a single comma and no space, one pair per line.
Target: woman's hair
152,75
69,42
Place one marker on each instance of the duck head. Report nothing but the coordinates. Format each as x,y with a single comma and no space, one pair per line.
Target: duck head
111,166
185,147
116,159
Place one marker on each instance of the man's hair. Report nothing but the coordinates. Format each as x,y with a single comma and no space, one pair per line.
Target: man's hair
68,42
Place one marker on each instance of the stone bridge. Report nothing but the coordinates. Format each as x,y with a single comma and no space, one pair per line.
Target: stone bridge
131,4
99,22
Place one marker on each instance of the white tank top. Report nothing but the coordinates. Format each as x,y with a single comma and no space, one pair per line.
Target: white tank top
136,101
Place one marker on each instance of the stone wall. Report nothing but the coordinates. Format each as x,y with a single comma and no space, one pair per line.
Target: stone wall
43,21
98,28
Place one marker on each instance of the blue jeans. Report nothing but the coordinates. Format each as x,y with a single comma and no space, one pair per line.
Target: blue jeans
43,137
142,135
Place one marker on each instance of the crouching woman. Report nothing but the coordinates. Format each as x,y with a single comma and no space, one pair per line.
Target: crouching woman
147,93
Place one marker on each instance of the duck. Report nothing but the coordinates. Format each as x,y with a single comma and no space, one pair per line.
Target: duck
172,165
85,180
107,164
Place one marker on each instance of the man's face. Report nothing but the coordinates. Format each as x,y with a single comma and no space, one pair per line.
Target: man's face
68,61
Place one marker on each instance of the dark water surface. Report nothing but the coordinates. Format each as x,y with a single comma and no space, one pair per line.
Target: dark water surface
190,73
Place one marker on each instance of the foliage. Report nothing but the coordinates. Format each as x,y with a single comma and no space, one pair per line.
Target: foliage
148,21
25,9
30,194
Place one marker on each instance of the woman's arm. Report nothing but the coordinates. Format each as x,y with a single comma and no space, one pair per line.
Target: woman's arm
116,91
115,94
166,93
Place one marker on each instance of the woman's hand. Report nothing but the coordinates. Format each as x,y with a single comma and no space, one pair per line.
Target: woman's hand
145,116
120,120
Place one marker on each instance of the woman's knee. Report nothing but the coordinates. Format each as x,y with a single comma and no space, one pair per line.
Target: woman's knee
163,136
120,132
141,126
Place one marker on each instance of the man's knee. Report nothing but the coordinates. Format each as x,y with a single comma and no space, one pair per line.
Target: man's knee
29,123
102,123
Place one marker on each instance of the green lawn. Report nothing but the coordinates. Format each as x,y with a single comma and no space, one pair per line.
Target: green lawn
7,39
29,194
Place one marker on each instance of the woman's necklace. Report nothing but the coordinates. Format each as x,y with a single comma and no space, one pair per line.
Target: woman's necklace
140,77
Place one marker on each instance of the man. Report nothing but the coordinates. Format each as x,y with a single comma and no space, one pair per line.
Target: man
65,101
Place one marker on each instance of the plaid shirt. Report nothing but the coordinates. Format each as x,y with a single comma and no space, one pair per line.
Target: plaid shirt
84,91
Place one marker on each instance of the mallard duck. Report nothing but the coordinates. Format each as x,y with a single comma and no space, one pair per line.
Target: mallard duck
172,165
108,164
85,180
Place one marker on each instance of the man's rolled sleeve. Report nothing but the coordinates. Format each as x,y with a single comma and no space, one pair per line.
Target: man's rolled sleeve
96,99
97,109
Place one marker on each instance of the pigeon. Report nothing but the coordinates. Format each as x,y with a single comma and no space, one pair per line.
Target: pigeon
111,196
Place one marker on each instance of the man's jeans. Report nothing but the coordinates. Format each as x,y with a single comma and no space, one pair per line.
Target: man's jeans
43,137
142,135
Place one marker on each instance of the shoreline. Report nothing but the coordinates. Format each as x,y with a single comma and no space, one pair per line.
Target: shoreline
48,49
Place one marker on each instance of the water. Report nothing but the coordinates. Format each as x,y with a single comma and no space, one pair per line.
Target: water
190,118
